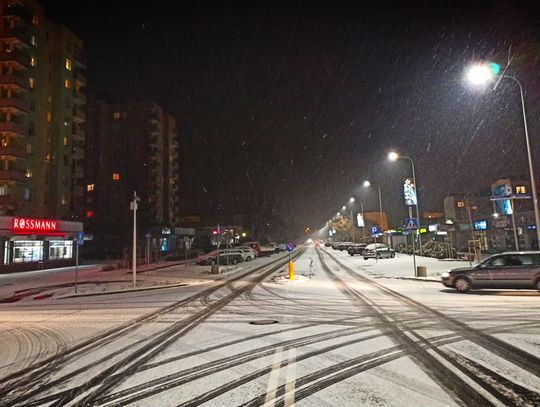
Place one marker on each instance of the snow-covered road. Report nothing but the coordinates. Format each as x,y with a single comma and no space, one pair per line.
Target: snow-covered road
348,336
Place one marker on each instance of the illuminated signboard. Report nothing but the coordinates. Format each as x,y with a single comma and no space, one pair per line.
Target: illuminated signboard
409,192
27,225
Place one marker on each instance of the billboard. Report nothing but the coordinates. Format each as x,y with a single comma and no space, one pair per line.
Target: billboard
409,192
360,220
480,225
501,189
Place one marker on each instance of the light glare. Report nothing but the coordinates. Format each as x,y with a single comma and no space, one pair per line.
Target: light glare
479,74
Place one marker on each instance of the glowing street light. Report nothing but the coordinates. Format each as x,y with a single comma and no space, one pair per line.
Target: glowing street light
393,156
368,184
480,74
352,199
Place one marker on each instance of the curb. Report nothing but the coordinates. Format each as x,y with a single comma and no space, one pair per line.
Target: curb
129,290
428,279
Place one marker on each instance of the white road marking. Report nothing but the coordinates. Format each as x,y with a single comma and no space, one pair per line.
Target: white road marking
288,398
273,378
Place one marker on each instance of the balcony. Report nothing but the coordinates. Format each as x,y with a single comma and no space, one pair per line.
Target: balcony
78,135
79,97
12,152
18,11
14,104
13,128
16,57
15,81
77,152
79,115
79,59
80,77
16,36
12,175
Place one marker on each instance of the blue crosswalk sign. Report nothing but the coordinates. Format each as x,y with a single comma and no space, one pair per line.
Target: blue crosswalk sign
411,224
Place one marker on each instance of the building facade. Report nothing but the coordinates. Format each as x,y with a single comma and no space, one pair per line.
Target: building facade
42,136
130,147
42,114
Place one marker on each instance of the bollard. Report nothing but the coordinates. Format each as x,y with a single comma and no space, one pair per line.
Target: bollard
291,270
421,271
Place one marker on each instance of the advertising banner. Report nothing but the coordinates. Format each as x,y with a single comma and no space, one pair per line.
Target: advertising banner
409,192
360,220
501,189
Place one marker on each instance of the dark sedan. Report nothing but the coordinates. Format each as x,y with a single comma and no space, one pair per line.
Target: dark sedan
356,249
224,258
505,270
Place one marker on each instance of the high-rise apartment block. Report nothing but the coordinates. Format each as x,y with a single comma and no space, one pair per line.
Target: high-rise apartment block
42,114
130,147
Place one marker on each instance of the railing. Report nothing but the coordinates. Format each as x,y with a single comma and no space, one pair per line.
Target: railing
12,175
16,34
15,56
12,151
14,103
15,80
13,127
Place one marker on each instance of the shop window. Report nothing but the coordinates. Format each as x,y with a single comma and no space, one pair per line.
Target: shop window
60,249
521,189
90,187
68,64
116,176
25,251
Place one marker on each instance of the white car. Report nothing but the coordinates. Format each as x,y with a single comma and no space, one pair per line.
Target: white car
248,249
247,254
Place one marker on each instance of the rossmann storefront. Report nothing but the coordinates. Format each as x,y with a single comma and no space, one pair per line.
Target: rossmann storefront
33,244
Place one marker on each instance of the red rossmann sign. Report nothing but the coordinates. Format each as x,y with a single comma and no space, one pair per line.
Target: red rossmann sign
34,225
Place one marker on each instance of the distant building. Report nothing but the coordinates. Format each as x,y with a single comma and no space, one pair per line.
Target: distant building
130,147
42,135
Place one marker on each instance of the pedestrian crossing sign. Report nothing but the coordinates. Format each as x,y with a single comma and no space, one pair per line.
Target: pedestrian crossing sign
411,224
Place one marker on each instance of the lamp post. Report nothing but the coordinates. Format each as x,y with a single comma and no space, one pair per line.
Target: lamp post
480,75
368,183
133,206
393,156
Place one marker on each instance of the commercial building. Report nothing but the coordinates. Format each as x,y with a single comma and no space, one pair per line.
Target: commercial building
131,147
42,115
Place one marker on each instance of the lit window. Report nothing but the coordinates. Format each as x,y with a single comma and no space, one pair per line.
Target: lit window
33,61
116,176
3,190
66,141
67,84
90,187
27,194
521,189
461,204
49,117
31,83
35,20
28,173
116,115
89,214
68,64
33,40
63,200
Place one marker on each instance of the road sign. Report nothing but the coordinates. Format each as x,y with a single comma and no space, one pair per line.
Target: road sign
374,230
80,238
290,247
411,224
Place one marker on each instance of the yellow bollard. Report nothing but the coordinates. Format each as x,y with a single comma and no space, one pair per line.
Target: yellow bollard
291,270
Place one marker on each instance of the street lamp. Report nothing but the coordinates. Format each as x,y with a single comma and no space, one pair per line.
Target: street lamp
368,184
393,156
483,73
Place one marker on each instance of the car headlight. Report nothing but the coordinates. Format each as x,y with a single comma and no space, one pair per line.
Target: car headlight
445,274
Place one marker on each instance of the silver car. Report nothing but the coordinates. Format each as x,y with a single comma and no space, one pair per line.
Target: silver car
505,270
378,251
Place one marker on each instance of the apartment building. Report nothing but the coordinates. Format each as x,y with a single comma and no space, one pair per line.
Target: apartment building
42,120
42,114
130,147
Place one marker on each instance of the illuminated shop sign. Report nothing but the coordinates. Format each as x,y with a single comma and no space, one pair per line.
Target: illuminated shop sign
34,225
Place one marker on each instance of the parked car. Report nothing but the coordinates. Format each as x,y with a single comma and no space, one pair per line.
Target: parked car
335,245
247,249
378,251
247,254
224,258
505,270
356,248
344,246
280,247
327,244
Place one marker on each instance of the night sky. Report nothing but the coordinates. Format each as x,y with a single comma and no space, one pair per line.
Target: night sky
286,107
